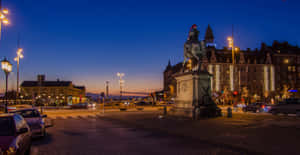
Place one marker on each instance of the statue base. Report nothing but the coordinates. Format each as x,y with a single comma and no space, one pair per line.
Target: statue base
193,94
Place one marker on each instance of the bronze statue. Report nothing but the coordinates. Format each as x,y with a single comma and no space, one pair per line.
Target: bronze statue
193,48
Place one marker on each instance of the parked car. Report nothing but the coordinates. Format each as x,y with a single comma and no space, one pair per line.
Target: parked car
142,103
257,107
79,106
35,121
91,105
83,105
15,135
288,106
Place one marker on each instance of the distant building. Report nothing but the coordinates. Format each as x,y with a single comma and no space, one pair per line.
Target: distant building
268,73
59,92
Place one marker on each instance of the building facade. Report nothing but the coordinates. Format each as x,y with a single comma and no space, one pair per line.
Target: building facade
53,92
270,74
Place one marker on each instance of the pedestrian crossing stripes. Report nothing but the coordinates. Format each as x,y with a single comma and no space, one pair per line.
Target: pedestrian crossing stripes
75,117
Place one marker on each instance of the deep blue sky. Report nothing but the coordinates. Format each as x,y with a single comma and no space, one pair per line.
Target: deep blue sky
89,41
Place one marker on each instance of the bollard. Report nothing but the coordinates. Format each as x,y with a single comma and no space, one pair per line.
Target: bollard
41,109
229,112
165,110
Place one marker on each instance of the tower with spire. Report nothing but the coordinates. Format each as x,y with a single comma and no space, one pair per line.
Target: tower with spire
209,37
169,65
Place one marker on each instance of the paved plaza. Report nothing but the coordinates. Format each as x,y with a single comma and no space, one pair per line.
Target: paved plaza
135,132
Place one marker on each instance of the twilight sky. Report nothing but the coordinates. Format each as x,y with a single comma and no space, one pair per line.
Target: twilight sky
89,41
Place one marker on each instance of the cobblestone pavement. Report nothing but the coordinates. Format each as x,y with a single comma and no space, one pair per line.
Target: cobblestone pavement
90,134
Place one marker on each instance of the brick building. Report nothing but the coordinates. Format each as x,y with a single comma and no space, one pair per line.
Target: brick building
265,74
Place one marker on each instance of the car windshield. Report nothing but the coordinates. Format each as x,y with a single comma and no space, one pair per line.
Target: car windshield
28,113
6,126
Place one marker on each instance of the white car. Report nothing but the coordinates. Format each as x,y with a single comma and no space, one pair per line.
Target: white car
35,121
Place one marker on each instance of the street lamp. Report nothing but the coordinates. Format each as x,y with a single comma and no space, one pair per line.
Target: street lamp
231,45
7,68
17,59
121,82
3,19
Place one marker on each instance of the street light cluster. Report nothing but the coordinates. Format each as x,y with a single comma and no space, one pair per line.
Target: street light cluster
6,66
233,48
19,55
121,82
17,59
3,18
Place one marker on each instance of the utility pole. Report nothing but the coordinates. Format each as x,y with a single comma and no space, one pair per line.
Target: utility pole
17,59
233,58
107,88
231,45
121,82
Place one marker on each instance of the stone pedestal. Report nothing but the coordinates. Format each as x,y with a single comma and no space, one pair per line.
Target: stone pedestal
193,89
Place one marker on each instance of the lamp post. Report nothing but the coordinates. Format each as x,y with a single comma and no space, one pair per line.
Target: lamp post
121,82
17,59
7,68
231,45
233,50
107,88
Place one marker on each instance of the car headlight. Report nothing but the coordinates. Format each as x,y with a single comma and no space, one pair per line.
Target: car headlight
11,150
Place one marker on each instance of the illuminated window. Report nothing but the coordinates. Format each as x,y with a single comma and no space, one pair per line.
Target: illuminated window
294,68
286,61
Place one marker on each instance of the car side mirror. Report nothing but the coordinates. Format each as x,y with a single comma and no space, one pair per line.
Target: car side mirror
44,116
23,130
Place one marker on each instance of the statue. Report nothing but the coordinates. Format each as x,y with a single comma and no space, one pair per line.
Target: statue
193,94
194,50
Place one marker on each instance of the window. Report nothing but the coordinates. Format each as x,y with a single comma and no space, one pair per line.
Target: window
18,121
294,68
28,113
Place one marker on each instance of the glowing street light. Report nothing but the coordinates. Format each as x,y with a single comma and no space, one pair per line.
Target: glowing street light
231,45
5,11
17,59
3,18
121,82
7,68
